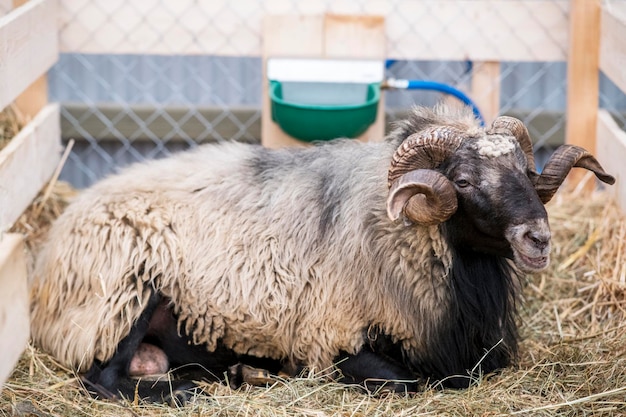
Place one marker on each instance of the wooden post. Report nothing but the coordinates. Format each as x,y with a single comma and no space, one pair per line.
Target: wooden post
486,88
14,311
319,36
583,77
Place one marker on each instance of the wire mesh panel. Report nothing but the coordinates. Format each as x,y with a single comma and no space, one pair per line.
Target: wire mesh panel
140,79
125,108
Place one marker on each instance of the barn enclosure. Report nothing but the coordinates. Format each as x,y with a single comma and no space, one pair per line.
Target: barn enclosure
126,81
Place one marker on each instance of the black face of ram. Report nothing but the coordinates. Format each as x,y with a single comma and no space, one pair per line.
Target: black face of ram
499,211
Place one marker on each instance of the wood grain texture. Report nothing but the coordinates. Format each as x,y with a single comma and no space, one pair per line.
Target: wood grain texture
27,163
14,310
486,89
613,43
5,7
611,152
28,47
583,77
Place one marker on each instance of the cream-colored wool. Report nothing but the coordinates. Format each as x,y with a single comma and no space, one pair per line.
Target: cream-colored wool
495,146
236,241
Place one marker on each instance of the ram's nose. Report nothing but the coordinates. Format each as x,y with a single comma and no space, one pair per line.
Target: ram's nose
539,238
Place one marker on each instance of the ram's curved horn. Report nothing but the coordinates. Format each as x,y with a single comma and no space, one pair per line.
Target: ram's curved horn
426,149
424,196
517,129
559,165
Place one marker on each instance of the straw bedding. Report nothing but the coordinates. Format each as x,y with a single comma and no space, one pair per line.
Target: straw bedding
11,122
573,354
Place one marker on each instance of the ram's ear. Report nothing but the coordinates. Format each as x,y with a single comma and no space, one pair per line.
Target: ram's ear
424,196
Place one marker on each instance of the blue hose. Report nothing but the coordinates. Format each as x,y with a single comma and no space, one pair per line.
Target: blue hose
390,62
444,88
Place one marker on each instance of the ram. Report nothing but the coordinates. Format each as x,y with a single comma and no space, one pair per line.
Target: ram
397,260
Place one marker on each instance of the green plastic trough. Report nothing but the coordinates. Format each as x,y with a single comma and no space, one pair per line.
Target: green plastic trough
313,111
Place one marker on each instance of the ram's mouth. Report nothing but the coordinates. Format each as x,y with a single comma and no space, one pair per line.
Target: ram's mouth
530,243
531,263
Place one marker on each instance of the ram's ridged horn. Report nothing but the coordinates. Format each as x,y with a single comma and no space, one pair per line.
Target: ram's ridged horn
426,149
424,196
559,165
517,129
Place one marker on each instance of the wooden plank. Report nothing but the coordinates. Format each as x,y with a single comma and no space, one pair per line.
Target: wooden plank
14,310
478,30
35,97
583,77
28,46
486,89
293,36
27,163
354,36
5,7
613,43
611,152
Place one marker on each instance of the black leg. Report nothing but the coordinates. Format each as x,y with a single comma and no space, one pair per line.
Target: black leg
375,372
157,325
193,362
112,381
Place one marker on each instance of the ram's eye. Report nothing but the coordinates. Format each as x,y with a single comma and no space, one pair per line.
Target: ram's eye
462,183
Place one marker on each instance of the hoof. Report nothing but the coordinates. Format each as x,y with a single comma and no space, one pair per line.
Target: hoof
381,386
240,373
181,394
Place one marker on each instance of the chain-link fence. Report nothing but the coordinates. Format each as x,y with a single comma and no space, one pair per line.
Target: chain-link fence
140,79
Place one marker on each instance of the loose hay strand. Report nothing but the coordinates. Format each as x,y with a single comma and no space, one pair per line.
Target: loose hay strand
55,176
595,236
11,122
571,403
572,356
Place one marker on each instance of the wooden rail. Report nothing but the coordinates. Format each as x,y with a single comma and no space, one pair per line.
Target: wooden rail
5,6
611,139
14,311
611,151
28,48
27,163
